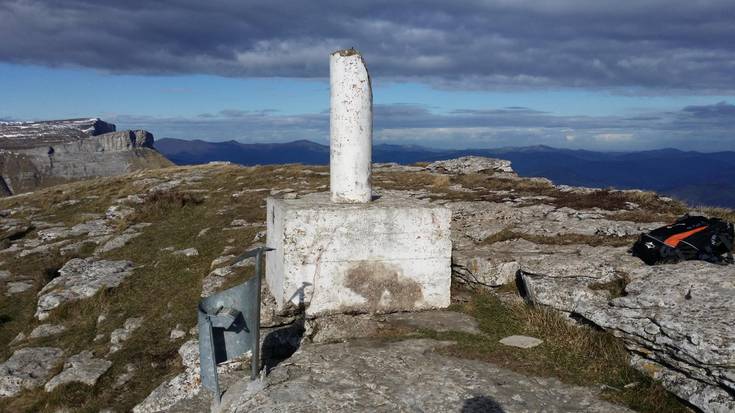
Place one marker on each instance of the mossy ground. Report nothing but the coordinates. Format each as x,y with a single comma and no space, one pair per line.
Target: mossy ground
164,289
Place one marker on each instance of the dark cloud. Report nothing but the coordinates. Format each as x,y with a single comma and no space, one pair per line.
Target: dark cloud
654,46
706,128
721,110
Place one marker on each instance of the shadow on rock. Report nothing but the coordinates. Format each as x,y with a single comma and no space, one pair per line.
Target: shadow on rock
281,343
481,404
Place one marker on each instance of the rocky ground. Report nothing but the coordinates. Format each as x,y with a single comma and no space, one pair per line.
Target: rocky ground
100,281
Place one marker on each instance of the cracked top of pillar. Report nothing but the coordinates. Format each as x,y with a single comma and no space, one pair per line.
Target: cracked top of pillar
347,52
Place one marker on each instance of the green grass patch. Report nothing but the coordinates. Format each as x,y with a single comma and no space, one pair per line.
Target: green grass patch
575,354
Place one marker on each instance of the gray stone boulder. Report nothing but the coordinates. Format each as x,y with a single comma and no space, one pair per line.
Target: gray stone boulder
80,279
46,330
80,368
28,368
484,268
117,242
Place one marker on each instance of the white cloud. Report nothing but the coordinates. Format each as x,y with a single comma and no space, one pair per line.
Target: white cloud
614,137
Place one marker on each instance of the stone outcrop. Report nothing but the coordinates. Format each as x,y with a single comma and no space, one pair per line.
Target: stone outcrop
678,320
402,376
472,164
79,279
45,330
80,368
28,368
34,155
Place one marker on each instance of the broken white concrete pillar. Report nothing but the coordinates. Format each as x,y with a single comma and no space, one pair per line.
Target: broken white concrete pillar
350,128
339,253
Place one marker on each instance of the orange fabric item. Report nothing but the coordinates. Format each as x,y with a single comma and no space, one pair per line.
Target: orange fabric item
674,240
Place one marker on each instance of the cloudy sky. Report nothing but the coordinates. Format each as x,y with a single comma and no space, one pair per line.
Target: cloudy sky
615,75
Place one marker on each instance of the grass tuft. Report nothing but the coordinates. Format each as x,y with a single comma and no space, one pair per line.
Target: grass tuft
573,353
616,287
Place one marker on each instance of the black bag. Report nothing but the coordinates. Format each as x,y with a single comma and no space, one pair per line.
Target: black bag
689,238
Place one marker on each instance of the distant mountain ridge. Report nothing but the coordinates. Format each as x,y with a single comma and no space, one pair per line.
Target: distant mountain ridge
695,177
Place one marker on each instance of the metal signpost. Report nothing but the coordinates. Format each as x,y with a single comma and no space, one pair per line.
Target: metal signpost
229,325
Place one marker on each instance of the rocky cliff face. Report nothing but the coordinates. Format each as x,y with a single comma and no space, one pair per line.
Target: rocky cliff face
100,281
23,135
34,155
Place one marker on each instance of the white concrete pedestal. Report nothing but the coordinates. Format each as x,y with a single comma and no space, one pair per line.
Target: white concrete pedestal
393,254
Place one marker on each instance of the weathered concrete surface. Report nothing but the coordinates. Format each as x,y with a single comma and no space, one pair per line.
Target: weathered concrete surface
28,368
392,254
402,376
350,128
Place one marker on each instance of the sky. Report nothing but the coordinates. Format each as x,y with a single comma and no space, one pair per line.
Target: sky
602,75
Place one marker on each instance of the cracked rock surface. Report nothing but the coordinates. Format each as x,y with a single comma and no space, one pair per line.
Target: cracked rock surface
400,377
79,279
28,368
678,320
81,368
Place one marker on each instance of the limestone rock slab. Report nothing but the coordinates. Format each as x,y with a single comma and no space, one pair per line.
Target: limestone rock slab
81,368
678,319
402,376
79,279
521,341
471,164
45,330
28,368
